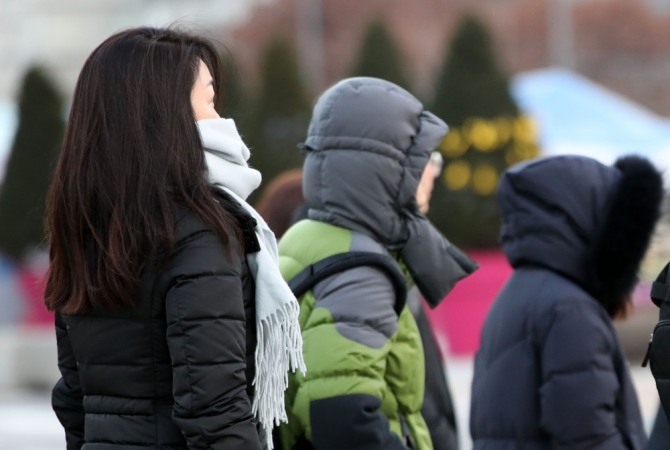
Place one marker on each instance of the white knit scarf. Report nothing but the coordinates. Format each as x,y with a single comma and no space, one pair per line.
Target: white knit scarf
279,346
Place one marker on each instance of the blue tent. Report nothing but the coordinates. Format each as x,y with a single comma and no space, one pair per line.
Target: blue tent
578,116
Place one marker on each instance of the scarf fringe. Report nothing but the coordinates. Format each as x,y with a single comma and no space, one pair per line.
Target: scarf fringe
279,341
279,348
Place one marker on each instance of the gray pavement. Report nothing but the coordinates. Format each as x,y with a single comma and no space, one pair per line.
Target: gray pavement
27,422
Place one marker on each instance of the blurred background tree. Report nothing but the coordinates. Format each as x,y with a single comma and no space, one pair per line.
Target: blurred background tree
487,134
279,116
36,145
378,56
232,102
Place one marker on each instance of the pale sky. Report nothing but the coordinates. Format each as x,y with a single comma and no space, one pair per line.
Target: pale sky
60,35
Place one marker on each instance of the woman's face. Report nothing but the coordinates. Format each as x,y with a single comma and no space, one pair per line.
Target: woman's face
202,95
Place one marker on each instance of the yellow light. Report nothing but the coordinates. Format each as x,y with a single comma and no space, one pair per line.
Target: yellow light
457,175
504,129
485,179
453,145
483,135
524,129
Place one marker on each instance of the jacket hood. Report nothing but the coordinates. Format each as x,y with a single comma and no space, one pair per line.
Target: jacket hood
368,143
586,220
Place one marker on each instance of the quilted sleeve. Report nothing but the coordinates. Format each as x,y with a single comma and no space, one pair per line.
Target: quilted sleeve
66,396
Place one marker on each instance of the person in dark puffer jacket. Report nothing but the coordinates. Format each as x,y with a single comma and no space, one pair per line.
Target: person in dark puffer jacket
438,407
168,338
550,372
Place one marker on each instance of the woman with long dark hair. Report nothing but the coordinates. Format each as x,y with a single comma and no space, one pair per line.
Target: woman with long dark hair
174,327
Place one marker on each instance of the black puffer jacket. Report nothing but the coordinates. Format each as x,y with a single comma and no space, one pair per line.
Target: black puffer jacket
175,371
438,407
550,372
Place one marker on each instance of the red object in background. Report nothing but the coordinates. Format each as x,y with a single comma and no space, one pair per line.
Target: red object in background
31,280
459,318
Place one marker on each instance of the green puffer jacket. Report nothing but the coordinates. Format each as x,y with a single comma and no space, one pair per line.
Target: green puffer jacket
364,385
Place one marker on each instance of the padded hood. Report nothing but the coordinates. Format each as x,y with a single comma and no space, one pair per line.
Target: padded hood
583,219
368,143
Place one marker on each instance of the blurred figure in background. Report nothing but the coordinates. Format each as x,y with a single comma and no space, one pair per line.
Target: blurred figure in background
550,371
438,407
282,203
368,146
167,335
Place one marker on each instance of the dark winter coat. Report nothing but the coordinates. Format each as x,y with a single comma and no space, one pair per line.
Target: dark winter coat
550,372
438,407
175,371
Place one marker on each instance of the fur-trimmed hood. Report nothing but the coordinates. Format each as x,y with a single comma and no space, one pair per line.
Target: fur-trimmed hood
583,219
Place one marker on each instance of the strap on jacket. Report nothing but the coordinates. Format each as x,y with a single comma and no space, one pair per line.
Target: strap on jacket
320,270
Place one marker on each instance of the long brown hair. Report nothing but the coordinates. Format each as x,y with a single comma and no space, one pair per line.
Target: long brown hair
131,156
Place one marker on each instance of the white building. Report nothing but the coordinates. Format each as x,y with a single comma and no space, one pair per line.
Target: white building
61,34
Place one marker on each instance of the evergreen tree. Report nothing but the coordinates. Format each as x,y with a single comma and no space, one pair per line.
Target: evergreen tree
280,115
471,83
232,100
379,57
487,134
36,144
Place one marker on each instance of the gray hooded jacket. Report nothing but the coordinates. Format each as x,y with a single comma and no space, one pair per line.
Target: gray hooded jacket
368,144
